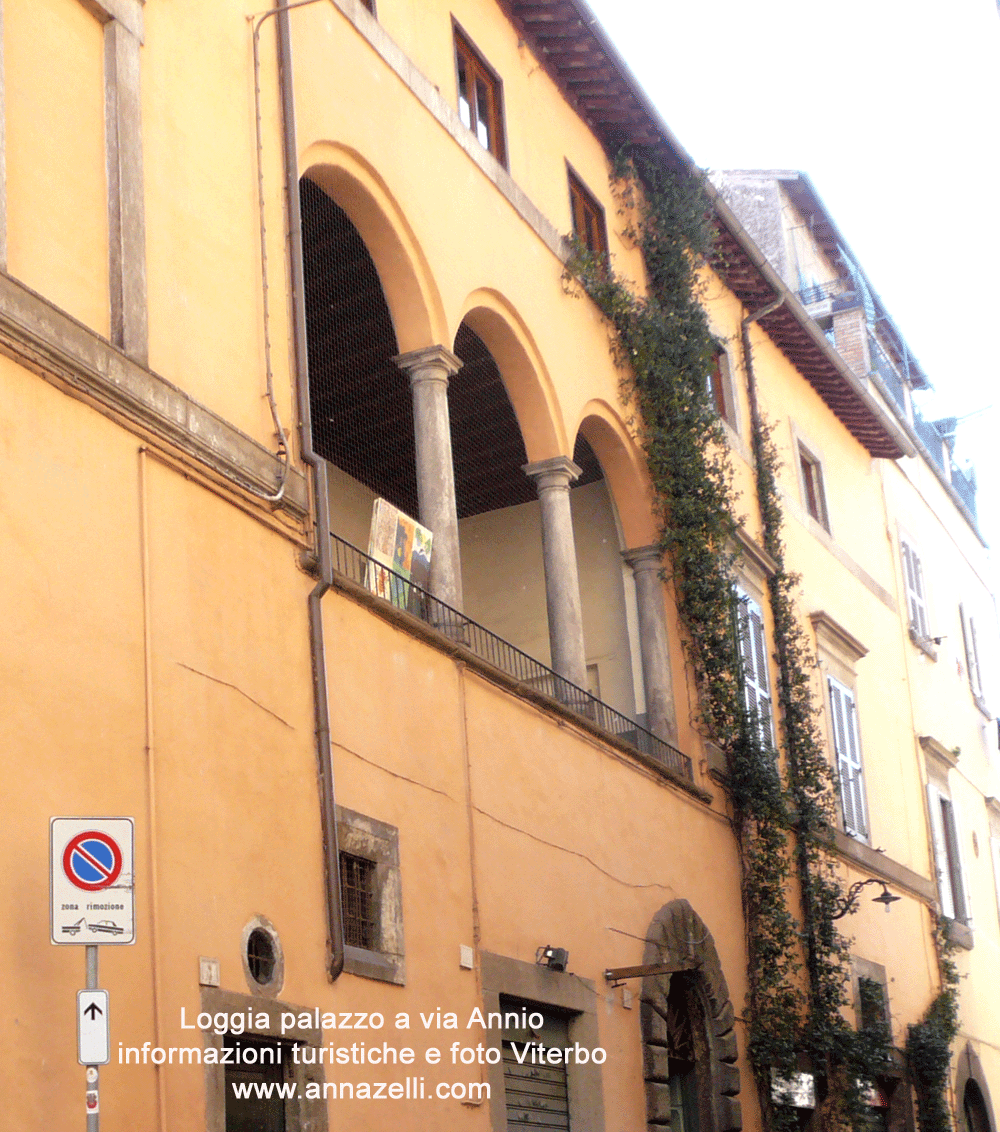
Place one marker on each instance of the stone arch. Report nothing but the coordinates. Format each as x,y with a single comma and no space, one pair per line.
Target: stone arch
973,1093
411,294
624,468
679,938
525,375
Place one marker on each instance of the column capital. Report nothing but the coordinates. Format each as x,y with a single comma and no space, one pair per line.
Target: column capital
432,363
556,472
644,557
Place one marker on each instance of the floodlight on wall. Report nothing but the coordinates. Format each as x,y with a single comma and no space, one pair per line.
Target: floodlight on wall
555,958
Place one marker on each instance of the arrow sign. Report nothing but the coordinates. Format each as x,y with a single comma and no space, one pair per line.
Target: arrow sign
92,1030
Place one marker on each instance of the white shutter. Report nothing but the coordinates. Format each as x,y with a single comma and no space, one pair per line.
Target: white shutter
959,877
847,746
914,578
753,653
995,850
940,852
971,652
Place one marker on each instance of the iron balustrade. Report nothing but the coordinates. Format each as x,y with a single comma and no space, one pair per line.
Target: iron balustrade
886,370
965,485
396,590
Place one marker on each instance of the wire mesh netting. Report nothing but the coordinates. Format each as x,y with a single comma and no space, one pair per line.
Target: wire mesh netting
362,410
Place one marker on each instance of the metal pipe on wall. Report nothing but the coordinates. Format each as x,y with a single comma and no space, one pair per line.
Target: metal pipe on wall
324,559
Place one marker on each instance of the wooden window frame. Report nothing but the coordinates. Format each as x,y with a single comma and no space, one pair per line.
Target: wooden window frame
589,223
973,668
810,469
478,71
719,387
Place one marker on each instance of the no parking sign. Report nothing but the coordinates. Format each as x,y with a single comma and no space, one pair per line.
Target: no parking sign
92,882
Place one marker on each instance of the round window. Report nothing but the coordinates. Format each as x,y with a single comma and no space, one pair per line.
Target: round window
263,964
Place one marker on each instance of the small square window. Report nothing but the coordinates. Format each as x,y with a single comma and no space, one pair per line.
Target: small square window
357,893
588,218
371,897
480,103
813,495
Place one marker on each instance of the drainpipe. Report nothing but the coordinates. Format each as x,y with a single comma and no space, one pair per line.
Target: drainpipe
324,563
755,421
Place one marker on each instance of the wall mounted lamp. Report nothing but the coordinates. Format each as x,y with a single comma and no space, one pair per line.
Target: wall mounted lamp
849,904
555,958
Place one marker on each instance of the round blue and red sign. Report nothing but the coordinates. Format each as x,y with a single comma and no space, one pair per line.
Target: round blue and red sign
92,860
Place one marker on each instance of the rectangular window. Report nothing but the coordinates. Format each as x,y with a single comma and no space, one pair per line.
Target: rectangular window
480,105
995,852
357,893
971,653
813,495
913,578
588,218
947,857
753,665
718,386
847,748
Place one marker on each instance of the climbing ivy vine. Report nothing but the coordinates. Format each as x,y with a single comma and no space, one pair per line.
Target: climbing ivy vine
797,968
928,1044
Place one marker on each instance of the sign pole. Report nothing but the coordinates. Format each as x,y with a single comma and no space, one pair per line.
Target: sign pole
93,1096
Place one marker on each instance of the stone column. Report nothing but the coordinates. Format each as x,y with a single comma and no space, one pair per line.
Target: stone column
562,580
654,645
429,370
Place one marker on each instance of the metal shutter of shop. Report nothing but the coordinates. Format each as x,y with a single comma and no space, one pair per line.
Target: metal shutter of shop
537,1096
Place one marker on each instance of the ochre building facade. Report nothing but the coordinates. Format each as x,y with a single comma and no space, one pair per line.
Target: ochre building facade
260,269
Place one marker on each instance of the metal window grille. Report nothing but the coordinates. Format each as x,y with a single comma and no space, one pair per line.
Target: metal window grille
357,894
260,956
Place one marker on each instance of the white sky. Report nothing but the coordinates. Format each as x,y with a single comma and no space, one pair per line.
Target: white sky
893,109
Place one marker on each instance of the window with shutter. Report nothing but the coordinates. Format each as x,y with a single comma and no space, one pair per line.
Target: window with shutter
971,652
947,857
847,747
995,850
913,578
753,658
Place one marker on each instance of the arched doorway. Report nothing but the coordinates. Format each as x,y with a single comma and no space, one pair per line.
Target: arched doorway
689,1063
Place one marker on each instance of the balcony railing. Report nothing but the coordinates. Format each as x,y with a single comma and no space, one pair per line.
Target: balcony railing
884,368
965,485
397,591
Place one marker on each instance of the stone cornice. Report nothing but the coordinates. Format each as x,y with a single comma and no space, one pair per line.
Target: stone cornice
47,341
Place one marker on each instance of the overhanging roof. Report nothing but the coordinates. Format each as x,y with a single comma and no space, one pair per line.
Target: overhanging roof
568,39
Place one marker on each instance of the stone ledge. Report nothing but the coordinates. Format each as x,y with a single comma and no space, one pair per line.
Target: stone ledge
49,342
885,868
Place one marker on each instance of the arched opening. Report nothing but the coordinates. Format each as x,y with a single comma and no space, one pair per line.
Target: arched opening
499,521
360,401
974,1109
692,1081
606,591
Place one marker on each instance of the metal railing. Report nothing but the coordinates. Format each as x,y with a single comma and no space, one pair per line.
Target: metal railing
396,590
965,485
885,369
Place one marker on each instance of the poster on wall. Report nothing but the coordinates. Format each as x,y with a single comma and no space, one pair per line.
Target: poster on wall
404,546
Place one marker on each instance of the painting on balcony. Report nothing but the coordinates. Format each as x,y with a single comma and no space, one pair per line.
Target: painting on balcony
400,543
